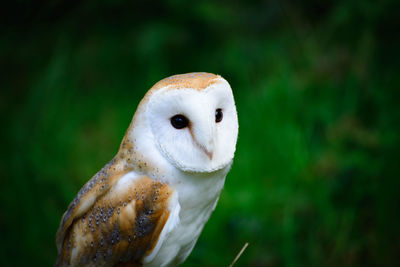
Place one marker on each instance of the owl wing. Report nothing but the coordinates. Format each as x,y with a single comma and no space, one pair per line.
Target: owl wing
125,225
86,197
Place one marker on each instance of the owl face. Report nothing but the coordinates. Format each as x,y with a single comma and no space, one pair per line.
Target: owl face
195,129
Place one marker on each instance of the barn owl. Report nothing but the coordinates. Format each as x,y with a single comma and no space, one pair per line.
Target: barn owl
148,205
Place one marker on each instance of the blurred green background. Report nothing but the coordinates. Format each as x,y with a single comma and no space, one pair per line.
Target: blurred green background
315,180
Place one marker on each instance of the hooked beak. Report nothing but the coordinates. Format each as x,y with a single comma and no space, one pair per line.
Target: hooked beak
207,152
203,137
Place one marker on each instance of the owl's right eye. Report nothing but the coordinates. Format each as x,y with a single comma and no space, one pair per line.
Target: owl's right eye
179,121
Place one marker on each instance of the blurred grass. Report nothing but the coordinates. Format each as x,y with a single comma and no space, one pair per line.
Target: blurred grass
316,174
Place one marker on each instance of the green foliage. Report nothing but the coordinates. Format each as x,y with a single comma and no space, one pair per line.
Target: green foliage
316,174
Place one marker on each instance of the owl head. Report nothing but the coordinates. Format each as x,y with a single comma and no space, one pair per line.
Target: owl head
190,120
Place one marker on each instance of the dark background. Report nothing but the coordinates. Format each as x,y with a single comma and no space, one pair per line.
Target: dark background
315,180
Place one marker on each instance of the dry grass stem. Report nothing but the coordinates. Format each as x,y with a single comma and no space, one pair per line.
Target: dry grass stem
239,254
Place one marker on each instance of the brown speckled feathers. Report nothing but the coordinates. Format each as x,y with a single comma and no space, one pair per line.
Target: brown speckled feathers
119,229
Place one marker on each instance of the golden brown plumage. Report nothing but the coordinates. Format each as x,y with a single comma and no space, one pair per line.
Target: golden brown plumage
117,228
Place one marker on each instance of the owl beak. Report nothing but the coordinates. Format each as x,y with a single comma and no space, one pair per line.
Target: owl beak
208,153
203,138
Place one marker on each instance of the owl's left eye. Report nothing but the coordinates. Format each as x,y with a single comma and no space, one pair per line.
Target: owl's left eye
218,115
179,121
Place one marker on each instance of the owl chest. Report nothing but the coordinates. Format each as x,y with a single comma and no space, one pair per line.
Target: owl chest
197,201
193,216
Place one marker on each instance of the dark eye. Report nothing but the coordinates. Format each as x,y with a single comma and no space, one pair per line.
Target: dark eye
218,115
179,121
